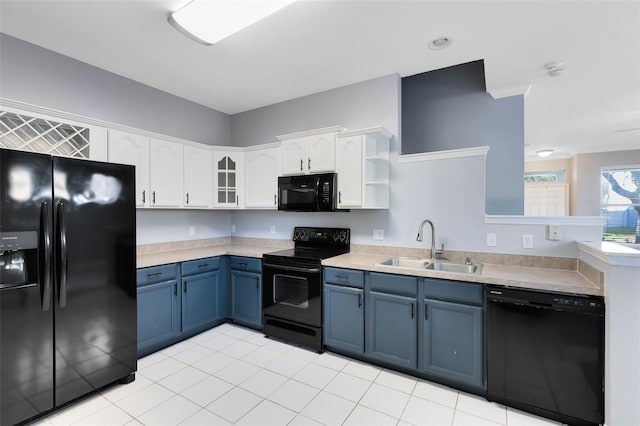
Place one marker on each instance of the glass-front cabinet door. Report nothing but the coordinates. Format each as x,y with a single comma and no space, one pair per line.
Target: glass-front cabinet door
228,179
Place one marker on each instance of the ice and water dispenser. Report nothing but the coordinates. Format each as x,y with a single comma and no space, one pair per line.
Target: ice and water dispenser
18,258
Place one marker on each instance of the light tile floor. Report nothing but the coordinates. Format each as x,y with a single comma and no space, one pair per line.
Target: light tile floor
234,375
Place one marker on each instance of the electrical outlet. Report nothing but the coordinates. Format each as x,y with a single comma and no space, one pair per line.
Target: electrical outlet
378,234
272,230
527,241
491,239
192,230
233,228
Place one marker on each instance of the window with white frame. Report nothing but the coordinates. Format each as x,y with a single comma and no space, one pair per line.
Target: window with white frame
620,203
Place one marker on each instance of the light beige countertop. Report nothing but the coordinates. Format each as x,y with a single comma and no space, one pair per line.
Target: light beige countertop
526,277
565,281
161,258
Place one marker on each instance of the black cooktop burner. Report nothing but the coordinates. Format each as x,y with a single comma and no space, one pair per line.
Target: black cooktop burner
314,244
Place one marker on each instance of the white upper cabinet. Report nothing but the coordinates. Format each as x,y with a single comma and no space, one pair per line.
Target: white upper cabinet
312,151
362,159
128,148
198,184
262,167
228,179
349,166
165,173
294,153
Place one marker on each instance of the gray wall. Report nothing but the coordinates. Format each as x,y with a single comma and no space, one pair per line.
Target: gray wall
369,103
160,226
414,195
450,109
41,77
587,169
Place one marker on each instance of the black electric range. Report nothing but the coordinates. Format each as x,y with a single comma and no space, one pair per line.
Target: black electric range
292,285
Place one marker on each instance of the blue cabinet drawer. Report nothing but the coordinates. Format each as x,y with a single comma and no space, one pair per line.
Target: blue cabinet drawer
397,284
246,264
200,266
345,277
156,274
455,291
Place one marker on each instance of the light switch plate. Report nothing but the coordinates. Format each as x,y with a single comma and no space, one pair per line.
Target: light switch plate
491,239
272,230
233,228
192,230
527,241
378,234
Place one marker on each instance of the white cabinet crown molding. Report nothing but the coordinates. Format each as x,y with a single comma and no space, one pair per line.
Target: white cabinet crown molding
441,155
305,133
381,130
261,146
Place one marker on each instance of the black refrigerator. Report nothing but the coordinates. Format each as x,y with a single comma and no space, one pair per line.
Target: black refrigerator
67,280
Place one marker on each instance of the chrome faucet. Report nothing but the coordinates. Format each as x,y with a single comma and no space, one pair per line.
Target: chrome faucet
434,252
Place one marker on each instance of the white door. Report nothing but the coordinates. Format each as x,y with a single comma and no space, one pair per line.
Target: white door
321,153
197,177
165,173
545,199
556,200
262,178
294,154
127,148
228,167
349,168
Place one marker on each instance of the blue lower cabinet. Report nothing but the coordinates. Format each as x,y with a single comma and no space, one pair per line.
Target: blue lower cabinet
392,329
343,318
158,315
246,298
452,342
200,294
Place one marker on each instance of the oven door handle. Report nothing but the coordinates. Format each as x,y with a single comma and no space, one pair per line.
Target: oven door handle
292,268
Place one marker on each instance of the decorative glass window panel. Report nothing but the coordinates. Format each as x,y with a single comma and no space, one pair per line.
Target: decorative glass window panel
25,133
545,176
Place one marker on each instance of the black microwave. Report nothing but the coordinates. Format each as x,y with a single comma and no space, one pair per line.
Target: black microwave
308,193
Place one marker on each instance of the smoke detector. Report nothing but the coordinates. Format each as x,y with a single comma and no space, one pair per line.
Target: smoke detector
554,69
439,43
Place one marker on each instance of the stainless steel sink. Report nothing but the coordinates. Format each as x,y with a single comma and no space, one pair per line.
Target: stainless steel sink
461,268
406,262
438,265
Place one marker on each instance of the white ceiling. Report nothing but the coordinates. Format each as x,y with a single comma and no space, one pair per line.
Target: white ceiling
312,46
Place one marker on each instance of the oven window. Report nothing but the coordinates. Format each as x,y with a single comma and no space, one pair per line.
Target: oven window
291,291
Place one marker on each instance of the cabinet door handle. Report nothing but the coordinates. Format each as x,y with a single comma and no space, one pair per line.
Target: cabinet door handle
301,163
275,199
187,198
185,287
360,300
244,265
175,289
341,277
426,312
413,313
204,265
339,196
144,196
153,197
237,200
309,163
157,274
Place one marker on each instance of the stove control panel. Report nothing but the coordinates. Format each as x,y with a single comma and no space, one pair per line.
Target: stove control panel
322,236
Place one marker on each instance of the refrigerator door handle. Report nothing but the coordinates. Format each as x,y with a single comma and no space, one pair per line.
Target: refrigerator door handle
62,256
44,273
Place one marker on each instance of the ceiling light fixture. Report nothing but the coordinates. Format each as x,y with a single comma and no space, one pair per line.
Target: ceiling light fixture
544,152
554,69
209,21
439,43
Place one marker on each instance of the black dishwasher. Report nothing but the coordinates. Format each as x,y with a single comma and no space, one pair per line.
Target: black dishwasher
545,353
